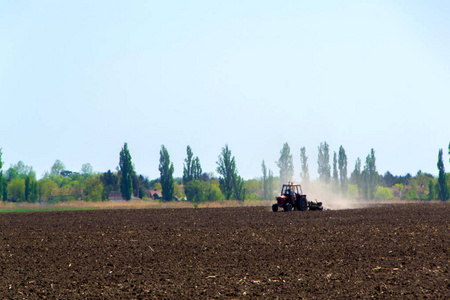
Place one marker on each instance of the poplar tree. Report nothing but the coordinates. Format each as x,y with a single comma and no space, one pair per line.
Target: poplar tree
231,184
357,177
192,170
187,166
356,174
267,182
197,169
264,181
27,189
342,162
166,170
5,189
370,176
304,161
270,184
126,170
226,167
323,161
431,190
34,191
286,164
442,180
335,173
239,187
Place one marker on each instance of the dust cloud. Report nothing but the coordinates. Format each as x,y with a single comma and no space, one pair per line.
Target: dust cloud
330,199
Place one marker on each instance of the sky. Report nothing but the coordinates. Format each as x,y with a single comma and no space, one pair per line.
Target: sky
79,78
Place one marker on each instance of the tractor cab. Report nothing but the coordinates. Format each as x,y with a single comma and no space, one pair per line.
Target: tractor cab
291,189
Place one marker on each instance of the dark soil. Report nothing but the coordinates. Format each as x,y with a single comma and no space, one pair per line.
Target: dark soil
387,251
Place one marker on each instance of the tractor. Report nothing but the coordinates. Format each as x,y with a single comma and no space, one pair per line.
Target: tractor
292,198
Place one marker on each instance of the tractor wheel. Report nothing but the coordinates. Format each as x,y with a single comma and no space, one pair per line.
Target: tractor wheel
301,204
275,207
287,207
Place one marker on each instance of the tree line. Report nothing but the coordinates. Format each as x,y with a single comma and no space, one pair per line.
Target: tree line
364,181
19,183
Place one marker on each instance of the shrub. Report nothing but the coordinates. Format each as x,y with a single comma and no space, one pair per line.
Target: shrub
352,191
411,194
16,190
252,196
383,194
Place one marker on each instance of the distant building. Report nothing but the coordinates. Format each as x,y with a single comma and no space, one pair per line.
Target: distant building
115,195
155,194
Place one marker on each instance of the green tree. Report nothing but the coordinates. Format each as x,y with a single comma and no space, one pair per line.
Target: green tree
335,173
239,187
166,170
20,170
323,161
110,183
126,170
226,166
356,174
34,191
265,187
431,190
140,185
267,182
57,167
5,189
304,161
196,191
110,179
87,170
16,189
389,179
401,189
27,189
352,191
187,166
214,193
76,185
230,183
443,185
200,191
370,175
383,194
270,184
93,189
437,188
31,193
197,169
342,162
286,164
192,170
411,194
364,184
254,189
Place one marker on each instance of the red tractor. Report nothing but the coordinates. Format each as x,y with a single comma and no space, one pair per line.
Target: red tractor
292,198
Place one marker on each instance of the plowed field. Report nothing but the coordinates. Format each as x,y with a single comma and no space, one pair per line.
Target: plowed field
386,251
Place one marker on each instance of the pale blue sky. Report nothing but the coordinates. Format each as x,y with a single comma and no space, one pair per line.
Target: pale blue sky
80,78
